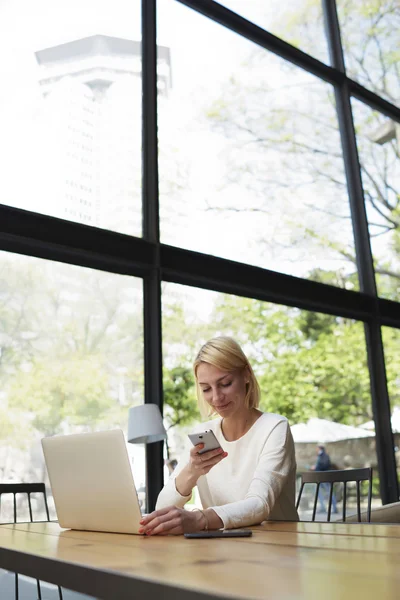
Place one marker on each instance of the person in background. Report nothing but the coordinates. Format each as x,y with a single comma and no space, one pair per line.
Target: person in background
251,478
324,464
171,464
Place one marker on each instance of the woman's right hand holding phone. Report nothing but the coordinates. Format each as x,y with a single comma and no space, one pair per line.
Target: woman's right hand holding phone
198,465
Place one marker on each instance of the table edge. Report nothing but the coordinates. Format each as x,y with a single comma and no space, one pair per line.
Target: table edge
104,584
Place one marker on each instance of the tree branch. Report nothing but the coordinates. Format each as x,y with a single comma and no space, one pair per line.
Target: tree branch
387,272
382,199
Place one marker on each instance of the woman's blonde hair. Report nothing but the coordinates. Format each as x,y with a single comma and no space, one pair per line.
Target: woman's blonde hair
225,353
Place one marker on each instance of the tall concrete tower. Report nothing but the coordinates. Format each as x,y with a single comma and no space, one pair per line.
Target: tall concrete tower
92,91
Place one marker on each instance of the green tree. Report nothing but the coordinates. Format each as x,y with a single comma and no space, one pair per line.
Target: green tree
283,148
59,394
71,346
284,140
327,379
308,364
391,344
180,398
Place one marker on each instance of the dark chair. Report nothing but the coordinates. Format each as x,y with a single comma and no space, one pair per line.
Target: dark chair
331,477
26,488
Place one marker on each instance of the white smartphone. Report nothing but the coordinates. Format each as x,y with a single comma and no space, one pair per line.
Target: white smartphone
207,438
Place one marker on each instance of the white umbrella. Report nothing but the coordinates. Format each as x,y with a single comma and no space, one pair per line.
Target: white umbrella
324,431
395,420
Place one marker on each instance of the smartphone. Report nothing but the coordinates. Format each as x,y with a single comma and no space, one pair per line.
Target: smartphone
207,438
224,533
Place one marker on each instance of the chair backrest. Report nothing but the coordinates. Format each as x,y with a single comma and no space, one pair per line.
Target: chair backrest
24,488
331,477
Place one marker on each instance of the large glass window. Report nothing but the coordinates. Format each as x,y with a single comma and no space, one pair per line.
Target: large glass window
250,157
70,110
71,359
299,22
370,37
391,341
378,140
250,169
311,367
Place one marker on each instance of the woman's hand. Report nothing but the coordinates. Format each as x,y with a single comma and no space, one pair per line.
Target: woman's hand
199,464
172,521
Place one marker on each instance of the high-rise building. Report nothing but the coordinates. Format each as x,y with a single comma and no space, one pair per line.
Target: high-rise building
92,91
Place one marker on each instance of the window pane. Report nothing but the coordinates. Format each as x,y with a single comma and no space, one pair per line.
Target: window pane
370,37
299,22
71,359
378,146
312,368
250,157
70,111
391,342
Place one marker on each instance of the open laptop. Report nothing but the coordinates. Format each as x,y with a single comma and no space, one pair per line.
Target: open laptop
92,482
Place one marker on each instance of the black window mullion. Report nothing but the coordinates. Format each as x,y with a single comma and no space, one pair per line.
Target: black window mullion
151,232
51,238
365,266
389,312
153,381
384,441
150,208
350,155
229,277
332,32
231,20
254,33
373,100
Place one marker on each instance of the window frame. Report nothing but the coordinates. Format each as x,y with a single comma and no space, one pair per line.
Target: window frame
33,234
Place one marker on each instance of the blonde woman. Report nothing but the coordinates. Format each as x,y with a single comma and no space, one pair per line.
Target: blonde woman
253,478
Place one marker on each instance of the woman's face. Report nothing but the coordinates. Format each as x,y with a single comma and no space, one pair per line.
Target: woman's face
224,391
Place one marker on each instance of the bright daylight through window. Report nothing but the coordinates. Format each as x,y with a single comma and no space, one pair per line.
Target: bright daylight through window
147,148
73,82
71,359
251,166
311,367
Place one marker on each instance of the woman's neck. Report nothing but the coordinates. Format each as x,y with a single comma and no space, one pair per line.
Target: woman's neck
237,425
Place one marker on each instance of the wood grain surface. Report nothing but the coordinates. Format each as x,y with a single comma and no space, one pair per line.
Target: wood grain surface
281,560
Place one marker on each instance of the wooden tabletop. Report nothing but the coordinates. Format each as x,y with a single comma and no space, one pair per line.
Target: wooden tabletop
280,561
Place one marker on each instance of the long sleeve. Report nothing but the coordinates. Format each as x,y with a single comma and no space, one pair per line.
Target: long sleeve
255,482
169,495
275,465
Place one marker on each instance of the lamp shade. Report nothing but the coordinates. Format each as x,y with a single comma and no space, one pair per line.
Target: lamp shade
145,424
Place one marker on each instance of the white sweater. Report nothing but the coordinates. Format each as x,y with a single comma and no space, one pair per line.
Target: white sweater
255,482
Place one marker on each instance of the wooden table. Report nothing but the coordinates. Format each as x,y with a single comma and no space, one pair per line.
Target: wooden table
281,561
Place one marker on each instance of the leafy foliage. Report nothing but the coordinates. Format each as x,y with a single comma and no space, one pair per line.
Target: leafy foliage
285,145
61,393
71,347
71,340
179,397
308,364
